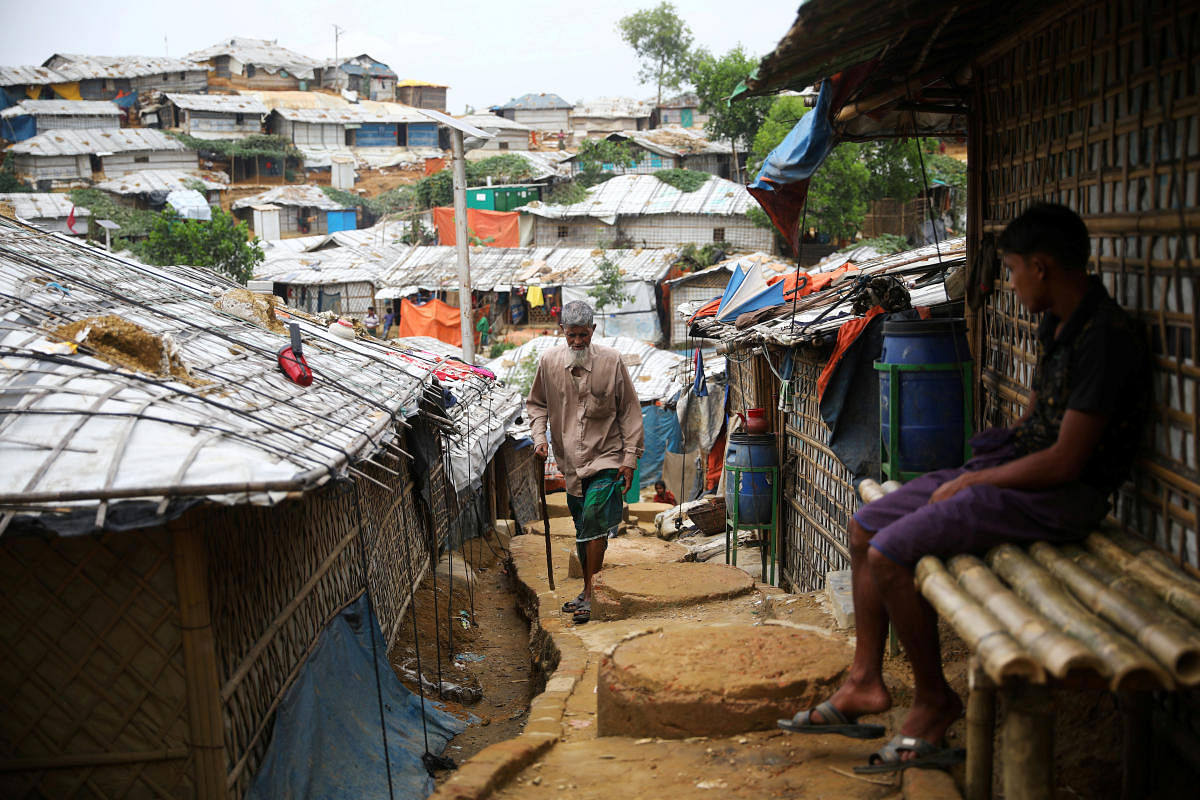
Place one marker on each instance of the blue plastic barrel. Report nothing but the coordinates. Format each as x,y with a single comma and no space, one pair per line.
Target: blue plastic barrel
931,411
754,495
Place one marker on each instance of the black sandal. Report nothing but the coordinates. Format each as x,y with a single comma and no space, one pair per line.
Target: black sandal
570,606
583,613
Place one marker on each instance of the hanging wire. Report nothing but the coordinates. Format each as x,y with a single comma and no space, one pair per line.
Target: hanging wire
362,549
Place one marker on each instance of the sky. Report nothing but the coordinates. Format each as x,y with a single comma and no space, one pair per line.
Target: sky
487,52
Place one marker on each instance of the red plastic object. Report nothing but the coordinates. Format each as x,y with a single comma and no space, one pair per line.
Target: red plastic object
295,367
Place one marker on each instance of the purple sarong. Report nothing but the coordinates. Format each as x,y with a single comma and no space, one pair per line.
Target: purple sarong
907,527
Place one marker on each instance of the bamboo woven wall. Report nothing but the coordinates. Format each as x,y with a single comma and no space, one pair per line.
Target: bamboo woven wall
1100,110
817,491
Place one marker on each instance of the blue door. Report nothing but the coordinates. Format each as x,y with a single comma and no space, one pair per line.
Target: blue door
341,221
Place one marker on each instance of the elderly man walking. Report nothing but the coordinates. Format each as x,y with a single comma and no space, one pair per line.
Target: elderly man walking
584,392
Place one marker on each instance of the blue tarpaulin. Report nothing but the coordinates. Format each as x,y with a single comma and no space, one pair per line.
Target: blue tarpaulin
126,100
328,743
662,433
18,128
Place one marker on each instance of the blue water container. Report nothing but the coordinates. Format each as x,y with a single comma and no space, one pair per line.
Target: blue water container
754,495
932,412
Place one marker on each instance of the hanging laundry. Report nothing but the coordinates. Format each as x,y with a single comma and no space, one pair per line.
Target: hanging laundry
534,297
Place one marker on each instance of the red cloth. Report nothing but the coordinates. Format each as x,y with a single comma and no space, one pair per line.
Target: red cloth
435,318
664,497
490,228
716,462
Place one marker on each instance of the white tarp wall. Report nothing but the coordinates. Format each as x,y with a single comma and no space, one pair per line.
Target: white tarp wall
636,319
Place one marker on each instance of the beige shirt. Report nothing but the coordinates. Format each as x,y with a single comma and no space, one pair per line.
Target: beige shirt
595,419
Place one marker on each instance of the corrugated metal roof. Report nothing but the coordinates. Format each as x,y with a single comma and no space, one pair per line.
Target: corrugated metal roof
436,267
632,195
355,114
227,103
614,108
365,65
675,141
265,54
493,122
68,142
42,205
31,75
305,195
364,263
163,180
81,67
771,266
66,108
536,101
654,372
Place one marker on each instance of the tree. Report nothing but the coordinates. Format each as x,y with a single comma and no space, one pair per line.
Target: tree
9,182
715,80
610,291
595,154
662,42
221,244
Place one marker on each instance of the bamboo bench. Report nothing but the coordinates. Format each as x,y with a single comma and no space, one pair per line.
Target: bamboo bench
1111,613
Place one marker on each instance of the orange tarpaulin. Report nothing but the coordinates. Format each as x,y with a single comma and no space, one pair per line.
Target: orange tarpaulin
433,165
491,228
435,318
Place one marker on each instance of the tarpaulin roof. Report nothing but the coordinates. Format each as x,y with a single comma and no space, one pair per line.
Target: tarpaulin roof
305,195
81,67
265,54
614,108
356,113
674,141
42,205
365,65
363,263
63,108
545,163
163,180
223,103
189,204
70,142
31,75
489,122
633,195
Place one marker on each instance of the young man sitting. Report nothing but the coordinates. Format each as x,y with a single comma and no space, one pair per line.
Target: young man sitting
1047,478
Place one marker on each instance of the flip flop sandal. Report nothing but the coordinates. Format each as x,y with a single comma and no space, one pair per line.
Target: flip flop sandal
928,756
583,613
570,606
833,721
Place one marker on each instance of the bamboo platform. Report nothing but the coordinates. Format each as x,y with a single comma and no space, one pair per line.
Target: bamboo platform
1114,614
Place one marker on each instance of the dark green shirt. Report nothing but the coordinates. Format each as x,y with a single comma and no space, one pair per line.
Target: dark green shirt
1098,364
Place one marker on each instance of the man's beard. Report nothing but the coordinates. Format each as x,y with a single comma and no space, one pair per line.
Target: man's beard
579,357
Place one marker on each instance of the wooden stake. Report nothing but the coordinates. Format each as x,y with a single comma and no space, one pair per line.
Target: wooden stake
1028,744
981,733
199,657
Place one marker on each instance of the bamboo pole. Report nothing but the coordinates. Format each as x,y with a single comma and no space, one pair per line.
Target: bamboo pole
1129,667
1027,744
890,486
206,720
1181,596
1147,552
1058,653
999,654
981,733
1175,646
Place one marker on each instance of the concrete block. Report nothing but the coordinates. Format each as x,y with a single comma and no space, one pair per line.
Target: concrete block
841,600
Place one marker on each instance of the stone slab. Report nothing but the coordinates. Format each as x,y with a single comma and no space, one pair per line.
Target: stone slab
841,600
627,550
715,681
646,512
622,592
556,505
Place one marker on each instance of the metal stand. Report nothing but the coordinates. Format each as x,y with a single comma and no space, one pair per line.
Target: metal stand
733,523
890,457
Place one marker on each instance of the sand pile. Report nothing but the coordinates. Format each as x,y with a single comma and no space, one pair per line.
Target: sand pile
128,345
256,308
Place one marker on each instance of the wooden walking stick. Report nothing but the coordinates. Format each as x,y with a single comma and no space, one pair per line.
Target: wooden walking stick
546,524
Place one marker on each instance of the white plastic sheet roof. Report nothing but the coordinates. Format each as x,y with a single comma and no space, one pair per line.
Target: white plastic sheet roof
163,180
69,142
545,163
43,205
359,264
223,103
76,429
63,108
614,108
80,67
357,113
305,195
264,54
633,195
675,141
655,372
189,204
31,75
493,122
498,268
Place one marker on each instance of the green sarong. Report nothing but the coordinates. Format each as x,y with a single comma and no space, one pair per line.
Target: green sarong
598,512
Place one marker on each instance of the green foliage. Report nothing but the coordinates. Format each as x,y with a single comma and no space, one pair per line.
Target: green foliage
523,374
715,80
895,169
135,223
221,244
594,154
694,257
499,348
759,218
399,199
781,117
610,290
438,189
953,173
566,194
685,180
884,243
9,182
663,44
837,195
257,145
